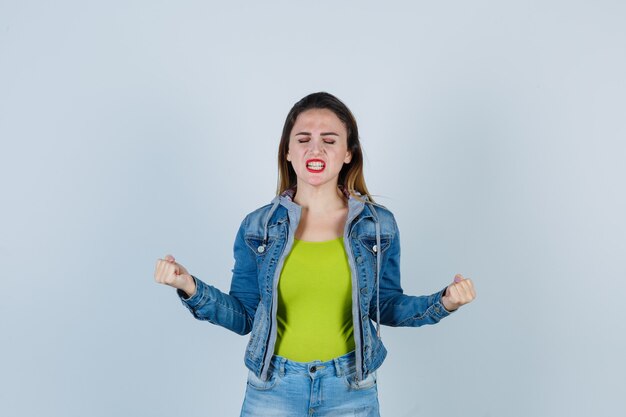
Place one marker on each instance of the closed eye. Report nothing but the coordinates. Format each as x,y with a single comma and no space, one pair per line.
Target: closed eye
328,141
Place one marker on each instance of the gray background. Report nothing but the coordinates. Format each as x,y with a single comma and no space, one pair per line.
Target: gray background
493,130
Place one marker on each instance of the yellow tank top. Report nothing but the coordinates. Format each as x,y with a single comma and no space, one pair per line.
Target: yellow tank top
315,302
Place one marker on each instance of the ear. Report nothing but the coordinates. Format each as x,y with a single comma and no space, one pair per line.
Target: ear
348,158
288,157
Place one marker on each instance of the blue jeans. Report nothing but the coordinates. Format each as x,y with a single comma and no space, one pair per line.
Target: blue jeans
299,389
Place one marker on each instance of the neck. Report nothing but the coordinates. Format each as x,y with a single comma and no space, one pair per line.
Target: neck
320,198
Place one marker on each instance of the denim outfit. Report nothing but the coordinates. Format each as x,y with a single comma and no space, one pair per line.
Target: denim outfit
263,241
320,389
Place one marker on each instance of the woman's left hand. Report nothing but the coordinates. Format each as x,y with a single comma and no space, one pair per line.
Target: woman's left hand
460,292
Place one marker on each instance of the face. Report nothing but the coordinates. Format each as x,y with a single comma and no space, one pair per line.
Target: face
318,147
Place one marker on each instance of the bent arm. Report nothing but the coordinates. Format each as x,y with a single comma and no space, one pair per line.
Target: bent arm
397,308
235,310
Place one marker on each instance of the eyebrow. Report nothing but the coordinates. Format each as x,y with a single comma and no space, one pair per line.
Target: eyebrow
323,134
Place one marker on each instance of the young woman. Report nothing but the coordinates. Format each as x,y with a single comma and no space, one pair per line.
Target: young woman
313,270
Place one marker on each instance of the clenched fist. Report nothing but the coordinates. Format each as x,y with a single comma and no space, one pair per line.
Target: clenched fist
175,275
460,292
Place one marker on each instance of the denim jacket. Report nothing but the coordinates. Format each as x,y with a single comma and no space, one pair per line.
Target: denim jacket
265,238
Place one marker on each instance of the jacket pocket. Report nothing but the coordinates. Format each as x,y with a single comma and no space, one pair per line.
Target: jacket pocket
369,243
255,243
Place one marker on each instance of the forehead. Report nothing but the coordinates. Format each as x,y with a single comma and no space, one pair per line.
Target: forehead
316,120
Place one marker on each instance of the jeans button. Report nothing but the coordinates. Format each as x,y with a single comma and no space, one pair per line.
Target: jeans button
313,368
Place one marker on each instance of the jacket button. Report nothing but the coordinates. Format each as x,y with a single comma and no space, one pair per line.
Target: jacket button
375,248
261,248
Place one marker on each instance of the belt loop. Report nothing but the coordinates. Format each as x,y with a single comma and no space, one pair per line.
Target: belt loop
338,369
282,367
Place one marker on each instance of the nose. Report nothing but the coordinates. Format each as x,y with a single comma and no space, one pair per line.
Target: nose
316,147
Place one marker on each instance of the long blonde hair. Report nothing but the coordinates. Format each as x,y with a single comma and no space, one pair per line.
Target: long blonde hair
351,175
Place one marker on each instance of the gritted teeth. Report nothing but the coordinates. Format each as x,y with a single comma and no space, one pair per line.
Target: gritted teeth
315,165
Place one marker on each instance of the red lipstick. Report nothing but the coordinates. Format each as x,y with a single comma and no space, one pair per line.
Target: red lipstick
315,165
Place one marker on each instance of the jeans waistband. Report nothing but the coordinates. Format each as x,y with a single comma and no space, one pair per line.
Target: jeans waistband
343,365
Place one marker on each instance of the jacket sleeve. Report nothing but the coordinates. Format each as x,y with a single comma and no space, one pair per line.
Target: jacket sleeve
397,308
235,310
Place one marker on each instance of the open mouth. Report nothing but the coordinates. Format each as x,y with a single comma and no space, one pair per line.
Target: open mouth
315,165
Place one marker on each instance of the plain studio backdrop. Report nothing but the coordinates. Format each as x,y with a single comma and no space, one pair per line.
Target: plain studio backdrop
493,130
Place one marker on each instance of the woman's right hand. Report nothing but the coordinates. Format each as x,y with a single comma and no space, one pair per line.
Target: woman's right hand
175,275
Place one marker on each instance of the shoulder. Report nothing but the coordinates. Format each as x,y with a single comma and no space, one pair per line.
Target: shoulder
374,219
259,212
255,220
385,217
382,212
256,216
